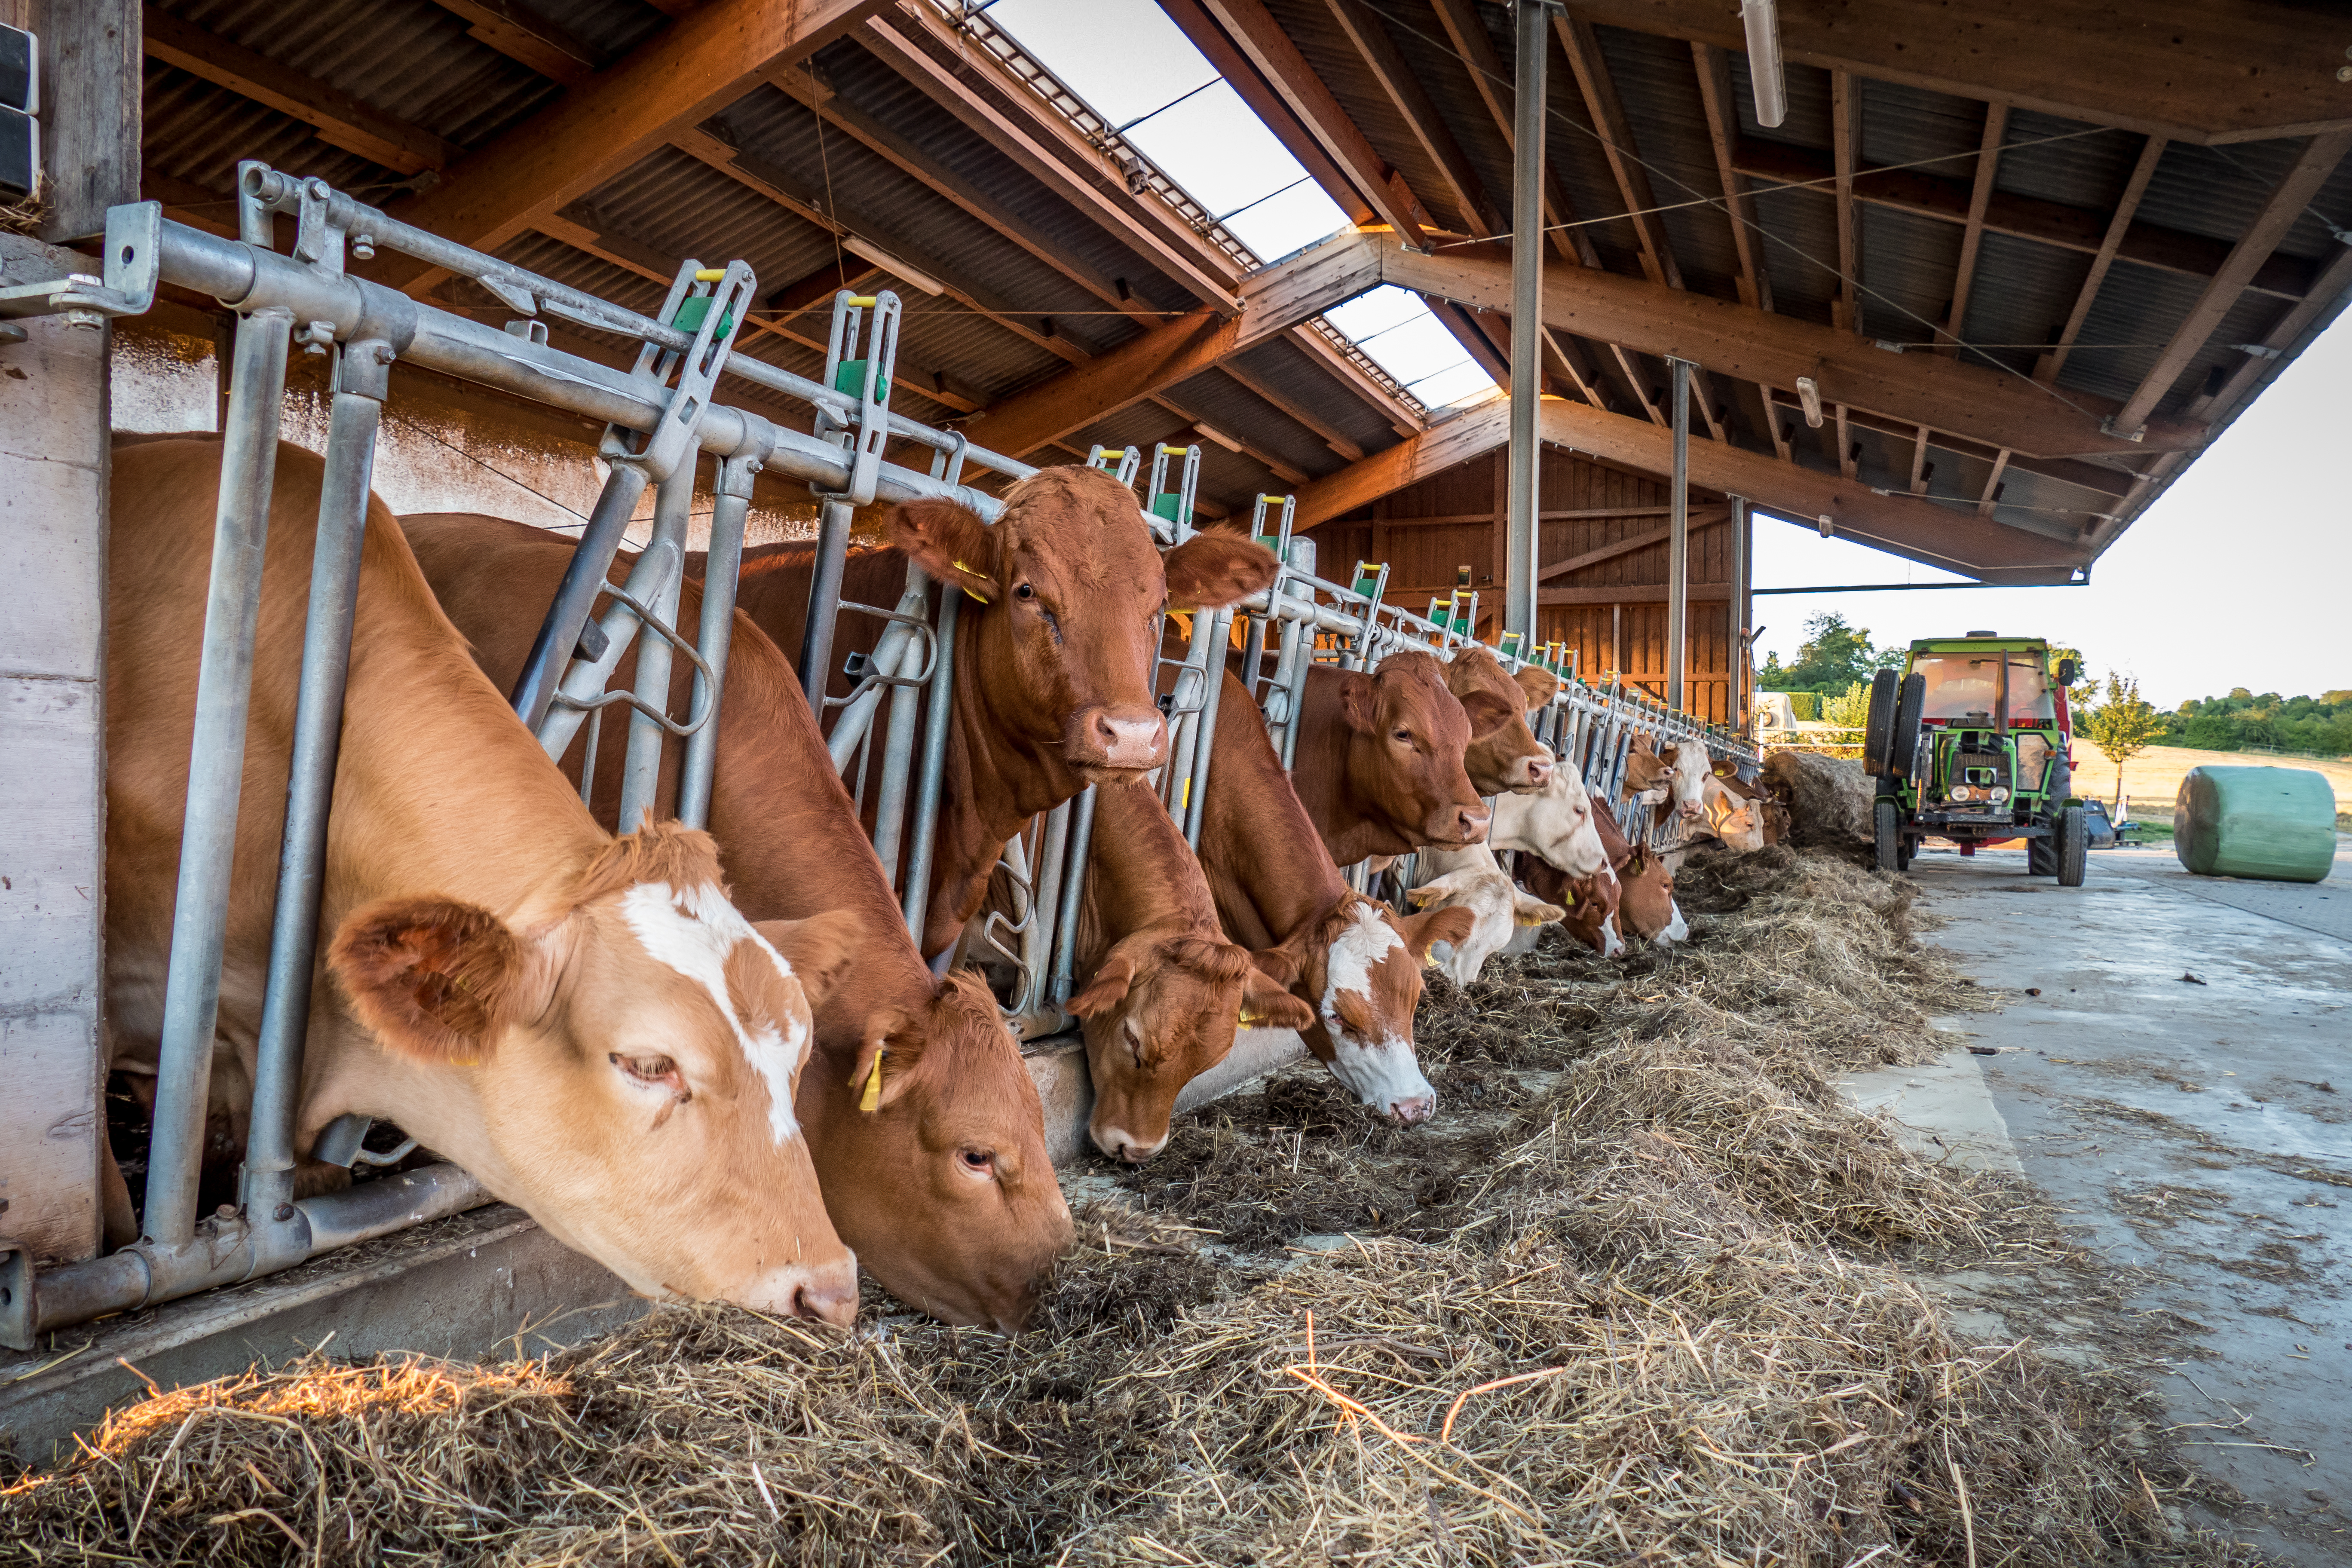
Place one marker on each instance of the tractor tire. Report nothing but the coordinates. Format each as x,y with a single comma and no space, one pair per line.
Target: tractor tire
2042,854
1902,747
1904,849
1887,818
2074,846
1878,731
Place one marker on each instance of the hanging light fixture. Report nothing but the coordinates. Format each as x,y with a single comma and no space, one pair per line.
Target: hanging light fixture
1764,73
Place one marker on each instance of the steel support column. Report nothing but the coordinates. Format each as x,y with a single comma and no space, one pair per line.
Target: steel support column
1678,544
1527,324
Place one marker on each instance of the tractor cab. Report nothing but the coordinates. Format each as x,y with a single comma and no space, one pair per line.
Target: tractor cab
1973,741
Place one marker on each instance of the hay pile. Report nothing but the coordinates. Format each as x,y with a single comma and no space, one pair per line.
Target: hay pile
1638,1298
1829,798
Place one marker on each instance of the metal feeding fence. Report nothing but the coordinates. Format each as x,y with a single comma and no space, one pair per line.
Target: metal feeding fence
662,418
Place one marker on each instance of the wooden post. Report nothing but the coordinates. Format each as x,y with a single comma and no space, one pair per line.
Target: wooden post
91,75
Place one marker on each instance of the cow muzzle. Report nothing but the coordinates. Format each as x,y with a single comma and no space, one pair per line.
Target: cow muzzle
826,1293
1125,1146
1413,1110
1459,827
1534,773
1119,740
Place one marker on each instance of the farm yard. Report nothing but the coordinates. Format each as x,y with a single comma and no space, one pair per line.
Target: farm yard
965,782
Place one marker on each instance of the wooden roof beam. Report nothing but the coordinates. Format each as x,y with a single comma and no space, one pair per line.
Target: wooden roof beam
1919,528
1270,51
338,119
554,51
2046,368
1339,440
2190,69
1230,62
1714,68
693,68
1412,102
1845,148
2287,199
1964,274
2025,217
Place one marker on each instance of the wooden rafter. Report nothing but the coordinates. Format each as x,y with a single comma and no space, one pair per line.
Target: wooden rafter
1845,149
338,119
1919,528
546,45
2287,199
1989,496
1964,275
1412,102
2046,368
1952,200
1339,440
1230,63
693,68
1714,68
2074,472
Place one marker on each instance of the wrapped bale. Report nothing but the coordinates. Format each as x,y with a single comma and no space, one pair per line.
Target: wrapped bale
2276,824
1829,798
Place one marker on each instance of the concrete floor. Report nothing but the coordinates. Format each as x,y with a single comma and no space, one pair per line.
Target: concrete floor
2197,1137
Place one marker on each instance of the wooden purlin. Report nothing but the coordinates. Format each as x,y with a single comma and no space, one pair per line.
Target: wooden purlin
695,68
1402,84
1973,230
2046,367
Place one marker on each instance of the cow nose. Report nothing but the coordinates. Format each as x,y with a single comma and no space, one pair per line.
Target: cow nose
826,1293
1540,771
1125,1147
1411,1109
1473,821
1130,739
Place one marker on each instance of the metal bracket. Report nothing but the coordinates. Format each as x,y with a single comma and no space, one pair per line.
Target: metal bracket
127,287
871,371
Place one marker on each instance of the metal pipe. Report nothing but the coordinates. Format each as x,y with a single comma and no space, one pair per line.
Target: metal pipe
641,767
1678,543
215,771
1522,532
1066,918
1205,724
1735,658
936,725
583,579
899,737
268,1178
823,603
721,568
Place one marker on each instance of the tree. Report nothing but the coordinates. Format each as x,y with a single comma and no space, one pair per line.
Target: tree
1833,656
1849,712
2122,726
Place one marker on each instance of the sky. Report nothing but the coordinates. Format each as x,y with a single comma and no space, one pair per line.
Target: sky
2239,575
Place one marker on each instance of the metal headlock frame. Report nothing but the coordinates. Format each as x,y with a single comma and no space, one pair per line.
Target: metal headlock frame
661,416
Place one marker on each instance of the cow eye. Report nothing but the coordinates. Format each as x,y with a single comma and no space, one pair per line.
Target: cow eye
978,1162
1404,735
1025,592
652,1070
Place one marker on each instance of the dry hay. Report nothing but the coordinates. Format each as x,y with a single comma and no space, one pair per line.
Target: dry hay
1830,798
1637,1298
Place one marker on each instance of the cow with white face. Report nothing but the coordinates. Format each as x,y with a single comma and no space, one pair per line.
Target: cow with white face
1556,824
1737,821
1472,879
1689,767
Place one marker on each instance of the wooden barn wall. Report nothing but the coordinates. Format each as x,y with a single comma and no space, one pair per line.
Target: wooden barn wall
1428,532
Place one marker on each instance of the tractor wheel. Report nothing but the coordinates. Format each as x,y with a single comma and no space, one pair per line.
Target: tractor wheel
2042,854
1886,817
1904,849
1903,746
1878,731
2073,844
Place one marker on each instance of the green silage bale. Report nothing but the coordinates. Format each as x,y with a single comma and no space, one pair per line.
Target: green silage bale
2276,824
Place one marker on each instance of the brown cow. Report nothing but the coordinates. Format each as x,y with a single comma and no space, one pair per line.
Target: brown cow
1052,663
944,1181
1352,960
1165,989
1504,755
1378,764
1646,910
1590,902
586,1024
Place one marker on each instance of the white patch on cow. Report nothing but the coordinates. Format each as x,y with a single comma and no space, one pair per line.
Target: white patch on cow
1383,1073
1554,823
1611,944
693,929
1471,879
1677,929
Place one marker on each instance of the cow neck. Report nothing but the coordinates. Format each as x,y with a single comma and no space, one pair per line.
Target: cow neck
1265,863
1142,877
789,840
1321,777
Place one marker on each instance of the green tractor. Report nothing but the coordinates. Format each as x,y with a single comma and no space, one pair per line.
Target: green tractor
1972,743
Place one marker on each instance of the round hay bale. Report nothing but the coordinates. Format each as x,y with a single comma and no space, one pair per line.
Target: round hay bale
2276,824
1829,798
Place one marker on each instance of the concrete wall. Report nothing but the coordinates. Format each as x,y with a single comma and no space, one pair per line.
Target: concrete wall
53,477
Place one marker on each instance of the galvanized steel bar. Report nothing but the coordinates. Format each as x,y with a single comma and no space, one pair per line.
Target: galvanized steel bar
1678,543
824,602
215,772
722,565
641,765
1066,918
1531,113
937,723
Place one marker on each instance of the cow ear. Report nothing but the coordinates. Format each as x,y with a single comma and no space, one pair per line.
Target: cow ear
1282,964
433,978
1267,1005
1529,911
1487,713
1444,886
949,542
1358,703
1216,568
1424,932
819,949
1112,980
1539,685
880,1075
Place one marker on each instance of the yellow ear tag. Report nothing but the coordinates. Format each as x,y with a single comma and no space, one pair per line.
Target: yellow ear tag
1524,920
975,599
871,1097
1249,1018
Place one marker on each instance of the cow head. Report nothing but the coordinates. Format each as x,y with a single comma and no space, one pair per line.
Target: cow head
935,1146
621,1067
1360,967
1159,1011
1556,824
1646,901
1407,738
1592,913
1473,880
1731,817
1689,767
1648,775
1074,587
1503,754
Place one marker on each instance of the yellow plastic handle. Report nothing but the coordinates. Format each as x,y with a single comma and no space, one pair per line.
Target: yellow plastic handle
710,275
1179,451
867,301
